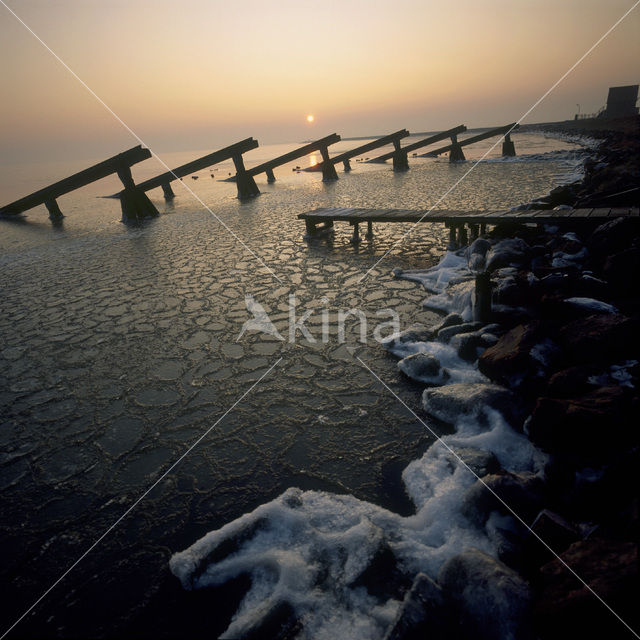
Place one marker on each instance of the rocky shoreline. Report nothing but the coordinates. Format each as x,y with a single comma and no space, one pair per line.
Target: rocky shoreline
562,356
532,486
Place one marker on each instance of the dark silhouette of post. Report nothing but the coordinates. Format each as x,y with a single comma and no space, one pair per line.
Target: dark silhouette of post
455,148
164,179
135,206
400,154
508,148
345,157
328,170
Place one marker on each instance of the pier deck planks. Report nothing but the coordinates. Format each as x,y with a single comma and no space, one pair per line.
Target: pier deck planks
357,215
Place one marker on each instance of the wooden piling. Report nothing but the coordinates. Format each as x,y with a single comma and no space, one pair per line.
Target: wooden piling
508,148
355,239
168,191
482,298
369,229
245,183
400,157
53,209
328,168
456,154
134,203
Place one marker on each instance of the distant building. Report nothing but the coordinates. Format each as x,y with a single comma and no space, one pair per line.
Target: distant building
621,102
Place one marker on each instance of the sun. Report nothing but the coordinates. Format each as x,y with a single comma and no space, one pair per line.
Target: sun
310,118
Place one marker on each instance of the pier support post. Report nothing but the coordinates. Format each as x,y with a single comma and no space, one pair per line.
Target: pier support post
270,176
400,158
508,148
369,229
456,154
347,165
134,203
355,239
54,210
328,168
452,237
482,301
168,191
247,187
473,228
463,240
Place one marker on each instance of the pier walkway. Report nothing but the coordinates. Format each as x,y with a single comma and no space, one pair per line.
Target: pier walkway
322,220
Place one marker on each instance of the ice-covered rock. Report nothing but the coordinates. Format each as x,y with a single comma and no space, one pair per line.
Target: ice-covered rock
492,600
423,367
451,402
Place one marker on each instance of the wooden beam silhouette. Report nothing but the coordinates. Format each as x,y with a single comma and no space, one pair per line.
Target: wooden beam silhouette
400,155
164,180
137,204
508,150
375,144
328,172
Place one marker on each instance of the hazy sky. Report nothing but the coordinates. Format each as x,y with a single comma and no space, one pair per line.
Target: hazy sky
200,74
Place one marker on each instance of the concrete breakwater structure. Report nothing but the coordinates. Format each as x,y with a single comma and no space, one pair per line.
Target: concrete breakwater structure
136,205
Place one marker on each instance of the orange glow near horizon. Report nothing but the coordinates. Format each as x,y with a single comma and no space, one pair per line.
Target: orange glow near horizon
204,92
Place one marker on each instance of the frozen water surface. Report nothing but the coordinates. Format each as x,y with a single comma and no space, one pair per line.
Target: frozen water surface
119,350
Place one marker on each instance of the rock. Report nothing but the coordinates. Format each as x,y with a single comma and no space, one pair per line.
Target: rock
446,333
597,337
612,237
279,622
577,425
509,361
480,462
491,600
619,267
523,492
554,531
610,568
517,291
468,345
423,613
452,401
479,246
416,333
573,381
383,577
419,366
510,252
451,320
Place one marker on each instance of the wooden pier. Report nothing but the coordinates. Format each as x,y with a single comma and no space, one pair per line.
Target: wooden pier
455,148
134,202
233,151
400,155
328,170
322,220
345,158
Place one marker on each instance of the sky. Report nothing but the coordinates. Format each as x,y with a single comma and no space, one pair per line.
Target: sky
202,74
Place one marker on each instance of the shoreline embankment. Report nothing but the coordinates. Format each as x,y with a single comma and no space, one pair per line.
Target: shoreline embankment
561,359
